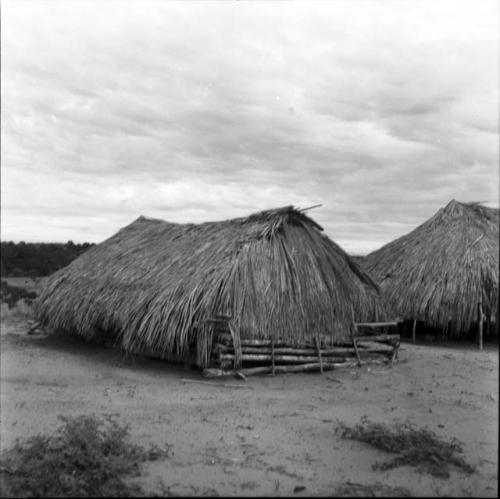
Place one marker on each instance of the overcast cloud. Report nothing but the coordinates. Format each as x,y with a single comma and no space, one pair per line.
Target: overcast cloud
193,111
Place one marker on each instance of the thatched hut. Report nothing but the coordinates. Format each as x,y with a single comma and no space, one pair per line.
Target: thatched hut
439,272
156,285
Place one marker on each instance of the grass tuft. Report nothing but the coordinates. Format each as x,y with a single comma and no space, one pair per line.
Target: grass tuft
421,447
86,457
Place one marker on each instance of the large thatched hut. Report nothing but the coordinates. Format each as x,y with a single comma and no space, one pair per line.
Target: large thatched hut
156,286
440,271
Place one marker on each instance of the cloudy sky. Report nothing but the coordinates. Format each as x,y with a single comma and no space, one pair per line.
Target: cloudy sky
380,111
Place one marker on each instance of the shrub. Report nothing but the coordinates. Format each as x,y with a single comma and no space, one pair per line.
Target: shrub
12,294
417,447
86,456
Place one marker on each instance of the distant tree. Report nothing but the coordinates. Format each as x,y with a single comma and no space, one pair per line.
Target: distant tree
37,259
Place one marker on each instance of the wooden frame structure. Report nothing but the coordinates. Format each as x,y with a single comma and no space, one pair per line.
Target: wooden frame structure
233,355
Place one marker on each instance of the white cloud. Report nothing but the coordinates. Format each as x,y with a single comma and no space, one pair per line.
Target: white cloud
192,111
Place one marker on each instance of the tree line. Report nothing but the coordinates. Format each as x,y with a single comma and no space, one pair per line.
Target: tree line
37,259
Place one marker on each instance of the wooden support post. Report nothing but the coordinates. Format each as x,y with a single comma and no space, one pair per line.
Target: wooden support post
356,350
394,355
414,331
353,331
235,334
33,328
480,322
272,357
318,348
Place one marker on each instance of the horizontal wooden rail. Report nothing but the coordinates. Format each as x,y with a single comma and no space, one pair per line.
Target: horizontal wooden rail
314,366
294,359
376,324
280,345
379,337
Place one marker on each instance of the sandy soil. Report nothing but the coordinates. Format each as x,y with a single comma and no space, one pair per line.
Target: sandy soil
270,435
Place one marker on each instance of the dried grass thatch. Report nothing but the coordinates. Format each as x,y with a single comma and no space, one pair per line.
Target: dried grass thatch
438,272
156,283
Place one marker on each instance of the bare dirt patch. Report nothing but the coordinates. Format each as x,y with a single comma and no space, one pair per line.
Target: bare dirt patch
277,437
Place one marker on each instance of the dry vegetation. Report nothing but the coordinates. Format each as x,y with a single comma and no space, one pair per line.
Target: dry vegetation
10,294
86,457
419,447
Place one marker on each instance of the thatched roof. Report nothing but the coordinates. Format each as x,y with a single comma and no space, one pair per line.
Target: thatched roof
156,283
439,271
359,259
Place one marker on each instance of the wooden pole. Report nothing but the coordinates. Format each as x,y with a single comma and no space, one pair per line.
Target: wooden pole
226,340
414,331
310,207
272,357
256,346
319,355
34,328
380,338
394,355
356,350
235,334
480,322
377,324
496,318
294,359
366,344
341,352
354,331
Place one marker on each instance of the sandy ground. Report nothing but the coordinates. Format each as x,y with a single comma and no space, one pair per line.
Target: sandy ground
270,435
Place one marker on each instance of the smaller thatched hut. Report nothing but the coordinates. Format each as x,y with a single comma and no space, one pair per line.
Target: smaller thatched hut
156,286
439,272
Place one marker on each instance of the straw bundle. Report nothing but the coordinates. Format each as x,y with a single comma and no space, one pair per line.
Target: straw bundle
156,285
441,270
